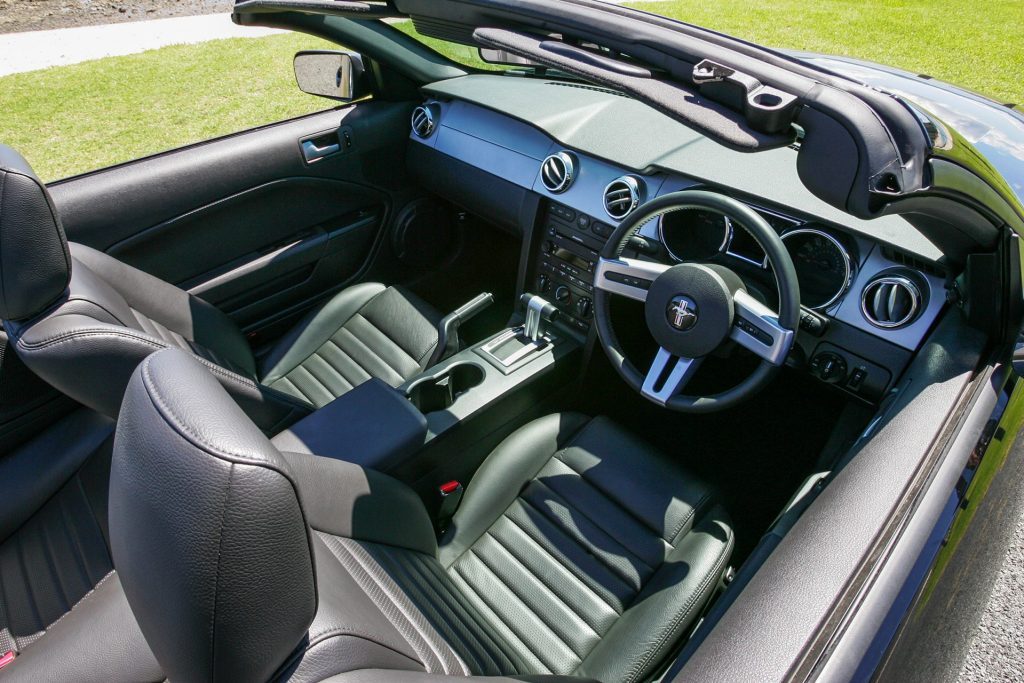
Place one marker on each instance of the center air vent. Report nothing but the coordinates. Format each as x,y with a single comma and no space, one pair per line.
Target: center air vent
424,120
558,171
622,196
891,301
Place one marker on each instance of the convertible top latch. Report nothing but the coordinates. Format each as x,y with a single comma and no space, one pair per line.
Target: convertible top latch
766,109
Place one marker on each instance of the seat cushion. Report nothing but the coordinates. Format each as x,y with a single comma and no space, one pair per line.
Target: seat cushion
365,331
578,550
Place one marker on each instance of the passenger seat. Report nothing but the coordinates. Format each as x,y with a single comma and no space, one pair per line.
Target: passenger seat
83,321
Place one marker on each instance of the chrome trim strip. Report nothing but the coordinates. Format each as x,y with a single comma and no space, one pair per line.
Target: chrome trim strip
847,263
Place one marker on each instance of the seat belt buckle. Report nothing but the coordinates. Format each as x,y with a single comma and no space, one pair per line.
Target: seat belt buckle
451,496
7,658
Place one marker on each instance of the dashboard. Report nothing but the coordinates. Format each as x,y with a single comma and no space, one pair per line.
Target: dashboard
585,157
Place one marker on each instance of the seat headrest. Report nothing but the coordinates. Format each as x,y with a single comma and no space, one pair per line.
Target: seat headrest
35,265
206,528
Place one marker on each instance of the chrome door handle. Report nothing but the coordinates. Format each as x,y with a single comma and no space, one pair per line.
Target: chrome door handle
312,153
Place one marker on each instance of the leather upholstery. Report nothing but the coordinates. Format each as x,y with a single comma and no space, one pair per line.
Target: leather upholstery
578,550
61,605
373,425
34,260
366,331
83,321
206,528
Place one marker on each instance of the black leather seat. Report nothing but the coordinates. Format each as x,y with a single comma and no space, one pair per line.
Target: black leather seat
83,321
578,551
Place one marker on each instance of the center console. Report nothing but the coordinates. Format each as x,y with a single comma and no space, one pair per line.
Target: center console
564,261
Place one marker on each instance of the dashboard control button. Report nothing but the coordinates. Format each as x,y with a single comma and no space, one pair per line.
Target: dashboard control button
583,221
562,294
544,283
857,378
585,307
829,367
754,331
549,247
602,229
629,280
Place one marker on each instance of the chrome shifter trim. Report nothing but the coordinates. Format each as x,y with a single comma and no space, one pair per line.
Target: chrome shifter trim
534,307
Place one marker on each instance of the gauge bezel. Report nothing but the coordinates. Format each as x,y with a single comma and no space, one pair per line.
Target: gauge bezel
847,263
726,239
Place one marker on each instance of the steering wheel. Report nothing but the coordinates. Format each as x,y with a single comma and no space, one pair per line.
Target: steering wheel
693,308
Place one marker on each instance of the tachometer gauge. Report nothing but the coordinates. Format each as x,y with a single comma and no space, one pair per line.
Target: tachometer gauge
823,266
694,234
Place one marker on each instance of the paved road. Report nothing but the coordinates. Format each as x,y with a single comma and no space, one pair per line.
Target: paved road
997,652
33,50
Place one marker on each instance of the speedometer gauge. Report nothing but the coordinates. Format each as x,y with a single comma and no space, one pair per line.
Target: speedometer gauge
823,266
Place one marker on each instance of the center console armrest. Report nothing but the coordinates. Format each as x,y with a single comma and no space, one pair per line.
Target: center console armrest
373,425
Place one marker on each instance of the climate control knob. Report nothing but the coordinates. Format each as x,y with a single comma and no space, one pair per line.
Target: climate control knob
585,307
562,294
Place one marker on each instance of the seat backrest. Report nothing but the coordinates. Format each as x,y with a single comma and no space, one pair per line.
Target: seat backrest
83,321
35,265
206,528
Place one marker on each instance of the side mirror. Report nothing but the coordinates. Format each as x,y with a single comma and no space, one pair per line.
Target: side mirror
325,73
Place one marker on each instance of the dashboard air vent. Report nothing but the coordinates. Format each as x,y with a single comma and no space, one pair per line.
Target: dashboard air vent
424,120
558,171
891,301
622,196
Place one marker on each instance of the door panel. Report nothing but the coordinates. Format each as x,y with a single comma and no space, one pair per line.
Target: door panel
245,221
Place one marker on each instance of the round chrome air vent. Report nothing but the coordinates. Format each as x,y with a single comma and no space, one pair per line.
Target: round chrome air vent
424,119
622,195
558,171
891,301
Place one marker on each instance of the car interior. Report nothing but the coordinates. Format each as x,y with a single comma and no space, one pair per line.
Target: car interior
484,374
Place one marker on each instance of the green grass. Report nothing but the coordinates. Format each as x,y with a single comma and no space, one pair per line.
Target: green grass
72,119
977,44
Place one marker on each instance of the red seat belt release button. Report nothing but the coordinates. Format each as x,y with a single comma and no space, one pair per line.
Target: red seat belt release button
451,496
7,658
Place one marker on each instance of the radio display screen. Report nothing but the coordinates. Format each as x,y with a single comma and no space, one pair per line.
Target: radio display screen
571,258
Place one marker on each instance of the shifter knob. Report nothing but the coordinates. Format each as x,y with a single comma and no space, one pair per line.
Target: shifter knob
538,310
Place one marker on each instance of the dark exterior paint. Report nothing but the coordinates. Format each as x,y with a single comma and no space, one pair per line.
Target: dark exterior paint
932,624
995,130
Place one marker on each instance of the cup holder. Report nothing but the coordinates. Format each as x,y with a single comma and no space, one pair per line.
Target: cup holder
431,394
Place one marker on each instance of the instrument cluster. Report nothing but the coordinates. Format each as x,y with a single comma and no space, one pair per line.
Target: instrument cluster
823,263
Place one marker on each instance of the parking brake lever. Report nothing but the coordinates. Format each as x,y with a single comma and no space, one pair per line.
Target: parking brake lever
448,341
538,310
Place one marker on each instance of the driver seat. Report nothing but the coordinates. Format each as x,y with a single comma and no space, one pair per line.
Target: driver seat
578,551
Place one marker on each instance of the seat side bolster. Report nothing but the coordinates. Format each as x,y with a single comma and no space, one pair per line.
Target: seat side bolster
343,499
669,604
501,477
172,307
91,362
315,329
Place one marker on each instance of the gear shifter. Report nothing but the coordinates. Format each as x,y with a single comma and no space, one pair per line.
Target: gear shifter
520,343
538,311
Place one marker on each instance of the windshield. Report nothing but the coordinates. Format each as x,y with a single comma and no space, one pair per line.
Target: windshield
971,43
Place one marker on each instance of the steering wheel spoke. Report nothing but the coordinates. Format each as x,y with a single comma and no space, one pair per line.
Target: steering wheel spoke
626,276
668,375
757,328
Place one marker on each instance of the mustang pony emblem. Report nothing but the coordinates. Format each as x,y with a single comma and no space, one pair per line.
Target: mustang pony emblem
682,313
